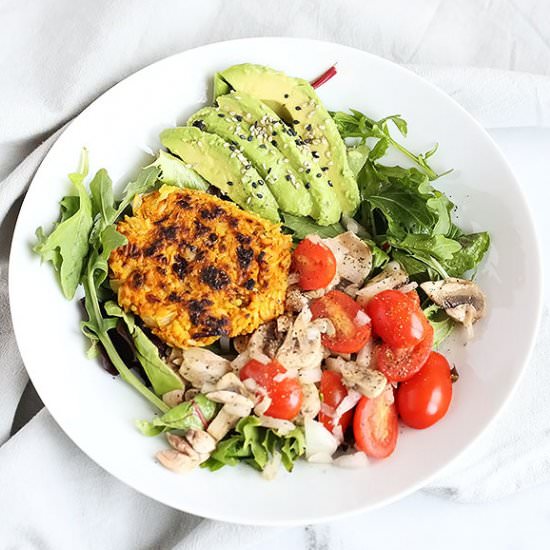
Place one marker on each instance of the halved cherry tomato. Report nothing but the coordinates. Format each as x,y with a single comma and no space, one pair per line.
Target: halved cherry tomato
375,426
352,324
286,395
333,392
425,398
396,319
315,264
399,364
413,295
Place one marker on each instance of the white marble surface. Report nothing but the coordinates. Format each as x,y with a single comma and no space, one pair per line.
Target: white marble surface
422,521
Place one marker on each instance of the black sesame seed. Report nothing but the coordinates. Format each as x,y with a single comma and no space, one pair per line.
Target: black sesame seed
298,108
308,140
269,170
261,182
254,184
286,96
248,166
221,115
318,175
230,183
329,183
274,133
324,168
295,122
308,170
239,118
259,195
242,136
309,127
232,148
249,138
308,185
263,146
315,154
274,143
287,177
291,132
199,124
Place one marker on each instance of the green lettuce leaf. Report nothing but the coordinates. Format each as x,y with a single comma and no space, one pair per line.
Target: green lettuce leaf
442,324
302,227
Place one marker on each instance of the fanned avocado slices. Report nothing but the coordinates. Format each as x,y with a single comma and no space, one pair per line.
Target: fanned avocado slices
294,100
270,129
220,163
281,178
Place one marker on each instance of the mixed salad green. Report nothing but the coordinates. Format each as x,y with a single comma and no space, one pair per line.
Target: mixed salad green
398,211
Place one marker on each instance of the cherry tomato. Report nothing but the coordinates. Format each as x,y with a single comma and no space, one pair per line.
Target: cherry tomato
399,364
413,295
333,392
375,426
396,319
315,264
352,324
425,398
286,395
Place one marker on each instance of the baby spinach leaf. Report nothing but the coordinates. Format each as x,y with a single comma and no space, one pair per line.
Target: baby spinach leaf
66,247
174,171
181,417
442,324
162,377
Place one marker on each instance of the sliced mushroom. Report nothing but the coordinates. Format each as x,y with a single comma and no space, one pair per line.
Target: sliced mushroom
391,277
295,300
266,340
201,366
311,404
174,397
301,349
222,423
462,300
353,256
234,403
284,427
231,382
176,461
367,381
241,342
181,445
201,441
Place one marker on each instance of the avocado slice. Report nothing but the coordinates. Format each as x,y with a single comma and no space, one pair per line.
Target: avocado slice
283,181
295,101
269,127
224,167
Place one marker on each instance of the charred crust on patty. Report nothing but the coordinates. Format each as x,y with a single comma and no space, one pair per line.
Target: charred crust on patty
214,277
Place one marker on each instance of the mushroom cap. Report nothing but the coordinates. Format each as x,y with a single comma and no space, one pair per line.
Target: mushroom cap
462,300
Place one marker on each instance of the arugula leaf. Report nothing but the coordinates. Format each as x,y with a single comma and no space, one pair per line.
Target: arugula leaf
358,125
442,324
66,246
302,227
162,377
101,191
181,417
256,446
173,171
437,246
473,248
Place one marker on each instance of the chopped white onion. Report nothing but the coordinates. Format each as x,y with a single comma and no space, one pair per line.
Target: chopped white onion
320,458
408,287
320,443
260,357
361,318
353,460
311,376
351,399
272,467
283,427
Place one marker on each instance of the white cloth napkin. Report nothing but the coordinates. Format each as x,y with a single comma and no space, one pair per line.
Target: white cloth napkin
57,56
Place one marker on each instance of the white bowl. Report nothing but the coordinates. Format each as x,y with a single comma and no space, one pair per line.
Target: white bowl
98,412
